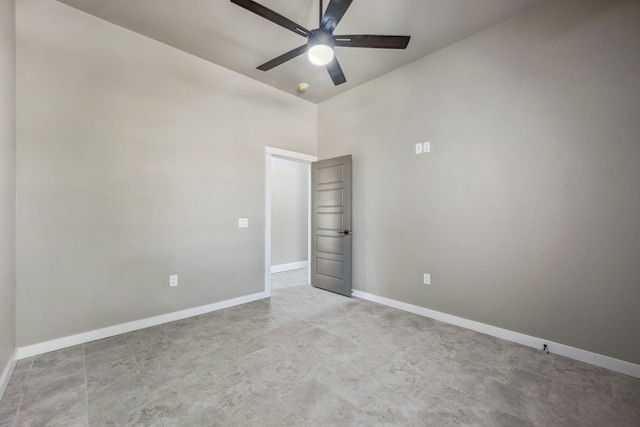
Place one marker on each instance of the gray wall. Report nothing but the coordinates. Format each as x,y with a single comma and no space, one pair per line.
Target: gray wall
135,161
7,181
527,211
289,211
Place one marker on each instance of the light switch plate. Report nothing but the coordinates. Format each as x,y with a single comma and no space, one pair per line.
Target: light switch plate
427,279
243,222
419,148
173,280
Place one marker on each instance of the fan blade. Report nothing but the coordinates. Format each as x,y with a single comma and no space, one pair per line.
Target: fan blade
272,16
283,58
379,42
335,71
334,13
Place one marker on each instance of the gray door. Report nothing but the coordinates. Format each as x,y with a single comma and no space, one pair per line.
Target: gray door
331,225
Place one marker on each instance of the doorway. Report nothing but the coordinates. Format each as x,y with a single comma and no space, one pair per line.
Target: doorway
287,224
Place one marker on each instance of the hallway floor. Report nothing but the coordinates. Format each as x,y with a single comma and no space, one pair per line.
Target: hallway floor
310,357
290,278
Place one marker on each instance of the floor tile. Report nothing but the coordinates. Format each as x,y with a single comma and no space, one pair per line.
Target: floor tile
55,384
308,357
125,402
9,404
194,411
122,414
110,355
55,407
164,387
62,362
132,392
592,408
104,344
7,420
111,372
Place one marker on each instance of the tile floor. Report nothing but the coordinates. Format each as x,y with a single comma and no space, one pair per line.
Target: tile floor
309,357
290,278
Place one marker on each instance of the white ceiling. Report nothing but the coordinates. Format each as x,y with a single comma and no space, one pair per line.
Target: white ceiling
228,35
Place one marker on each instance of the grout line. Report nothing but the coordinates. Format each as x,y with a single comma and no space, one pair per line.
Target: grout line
147,386
86,380
24,388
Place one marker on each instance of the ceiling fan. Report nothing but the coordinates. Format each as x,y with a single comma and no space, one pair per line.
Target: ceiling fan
321,41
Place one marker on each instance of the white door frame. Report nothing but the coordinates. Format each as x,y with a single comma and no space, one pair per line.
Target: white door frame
296,157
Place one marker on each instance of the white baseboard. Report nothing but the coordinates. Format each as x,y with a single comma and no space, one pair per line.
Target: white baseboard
6,373
85,337
596,359
290,266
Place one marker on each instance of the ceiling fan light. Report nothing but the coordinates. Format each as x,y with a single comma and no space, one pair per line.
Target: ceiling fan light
320,54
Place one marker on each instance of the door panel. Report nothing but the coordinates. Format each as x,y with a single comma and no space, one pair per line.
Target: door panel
330,174
330,268
330,221
330,244
331,225
330,198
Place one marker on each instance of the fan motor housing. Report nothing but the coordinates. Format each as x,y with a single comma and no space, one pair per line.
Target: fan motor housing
321,37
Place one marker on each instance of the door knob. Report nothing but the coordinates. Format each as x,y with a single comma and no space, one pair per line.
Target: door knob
346,232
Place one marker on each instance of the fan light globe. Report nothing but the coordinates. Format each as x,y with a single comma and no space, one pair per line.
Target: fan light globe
320,54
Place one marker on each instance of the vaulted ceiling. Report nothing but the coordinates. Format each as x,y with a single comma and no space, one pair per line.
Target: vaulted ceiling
225,34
